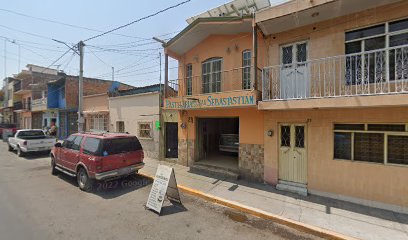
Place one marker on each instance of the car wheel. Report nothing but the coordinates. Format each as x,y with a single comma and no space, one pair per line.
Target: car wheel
84,182
10,148
54,171
19,152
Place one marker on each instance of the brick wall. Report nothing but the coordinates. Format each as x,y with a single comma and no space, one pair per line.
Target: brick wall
91,87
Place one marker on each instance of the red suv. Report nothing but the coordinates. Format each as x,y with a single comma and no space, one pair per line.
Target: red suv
90,157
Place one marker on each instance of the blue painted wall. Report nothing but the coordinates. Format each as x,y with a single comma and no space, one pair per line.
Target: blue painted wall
55,96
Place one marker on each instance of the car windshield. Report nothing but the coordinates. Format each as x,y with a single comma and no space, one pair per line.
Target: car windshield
31,134
120,145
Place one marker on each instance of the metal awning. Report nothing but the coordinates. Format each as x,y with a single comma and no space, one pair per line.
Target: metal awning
299,13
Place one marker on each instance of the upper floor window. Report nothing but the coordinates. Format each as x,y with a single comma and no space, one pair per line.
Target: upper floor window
189,79
211,75
246,69
372,50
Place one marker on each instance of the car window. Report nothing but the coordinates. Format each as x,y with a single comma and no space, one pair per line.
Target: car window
92,146
69,141
31,134
76,145
120,145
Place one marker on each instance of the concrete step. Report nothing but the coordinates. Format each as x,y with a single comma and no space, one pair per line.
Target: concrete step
297,188
214,171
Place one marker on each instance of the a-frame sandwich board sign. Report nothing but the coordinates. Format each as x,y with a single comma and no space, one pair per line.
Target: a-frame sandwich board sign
164,185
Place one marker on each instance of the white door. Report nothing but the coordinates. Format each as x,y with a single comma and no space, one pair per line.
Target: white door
293,153
295,79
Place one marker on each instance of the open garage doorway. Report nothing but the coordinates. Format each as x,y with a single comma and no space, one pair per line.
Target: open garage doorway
218,142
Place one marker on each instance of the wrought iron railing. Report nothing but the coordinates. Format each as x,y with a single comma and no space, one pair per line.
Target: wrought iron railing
223,81
39,104
370,73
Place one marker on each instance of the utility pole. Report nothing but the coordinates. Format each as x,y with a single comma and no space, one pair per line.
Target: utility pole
81,86
113,74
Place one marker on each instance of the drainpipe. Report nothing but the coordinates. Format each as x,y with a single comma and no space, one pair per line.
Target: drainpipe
255,53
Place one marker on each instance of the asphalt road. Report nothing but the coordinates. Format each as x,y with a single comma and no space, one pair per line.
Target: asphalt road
36,205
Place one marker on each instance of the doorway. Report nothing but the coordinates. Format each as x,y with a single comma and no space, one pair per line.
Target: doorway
295,79
171,140
218,142
293,153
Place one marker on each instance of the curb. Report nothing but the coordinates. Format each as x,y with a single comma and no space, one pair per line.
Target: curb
303,227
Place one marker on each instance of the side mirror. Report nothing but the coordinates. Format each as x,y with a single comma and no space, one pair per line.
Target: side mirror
58,145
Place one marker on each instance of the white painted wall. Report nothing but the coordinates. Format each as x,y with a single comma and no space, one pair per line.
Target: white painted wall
133,109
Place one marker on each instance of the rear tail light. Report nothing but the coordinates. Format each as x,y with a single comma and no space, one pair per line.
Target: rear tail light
98,163
25,143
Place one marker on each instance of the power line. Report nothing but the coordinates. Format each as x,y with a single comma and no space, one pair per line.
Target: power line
138,20
99,58
65,24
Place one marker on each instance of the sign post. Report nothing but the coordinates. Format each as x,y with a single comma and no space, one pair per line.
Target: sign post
164,185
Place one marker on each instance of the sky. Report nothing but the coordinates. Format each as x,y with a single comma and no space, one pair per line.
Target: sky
131,51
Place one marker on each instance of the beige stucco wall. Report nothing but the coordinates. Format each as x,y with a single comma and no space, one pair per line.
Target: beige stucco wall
133,109
96,103
327,38
367,181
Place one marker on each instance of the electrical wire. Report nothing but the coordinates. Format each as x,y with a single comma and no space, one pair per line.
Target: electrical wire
138,20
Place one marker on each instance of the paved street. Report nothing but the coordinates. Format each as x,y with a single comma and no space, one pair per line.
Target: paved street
36,205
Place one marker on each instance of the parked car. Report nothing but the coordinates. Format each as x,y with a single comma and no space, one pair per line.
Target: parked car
94,157
30,140
4,126
229,143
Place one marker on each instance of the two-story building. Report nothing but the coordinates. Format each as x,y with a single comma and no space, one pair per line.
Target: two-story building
62,100
219,126
331,79
335,101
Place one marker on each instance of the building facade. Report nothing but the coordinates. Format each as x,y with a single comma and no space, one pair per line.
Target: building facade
136,111
310,96
96,113
334,100
62,100
216,95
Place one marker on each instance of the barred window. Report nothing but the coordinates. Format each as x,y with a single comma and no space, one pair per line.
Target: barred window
376,143
120,126
145,129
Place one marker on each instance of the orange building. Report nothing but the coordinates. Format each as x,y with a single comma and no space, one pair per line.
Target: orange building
331,78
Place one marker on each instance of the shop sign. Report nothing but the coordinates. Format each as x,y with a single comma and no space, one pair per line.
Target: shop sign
212,101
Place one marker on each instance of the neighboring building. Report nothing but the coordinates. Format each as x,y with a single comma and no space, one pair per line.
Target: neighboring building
96,113
136,111
12,102
219,126
335,99
62,100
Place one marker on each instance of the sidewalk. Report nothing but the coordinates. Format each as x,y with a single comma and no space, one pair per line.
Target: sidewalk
338,216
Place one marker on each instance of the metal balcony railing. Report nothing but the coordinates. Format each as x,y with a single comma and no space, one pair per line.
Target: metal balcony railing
39,104
377,72
17,105
222,81
27,106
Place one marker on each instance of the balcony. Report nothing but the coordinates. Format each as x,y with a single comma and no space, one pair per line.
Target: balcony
230,88
39,104
340,81
17,105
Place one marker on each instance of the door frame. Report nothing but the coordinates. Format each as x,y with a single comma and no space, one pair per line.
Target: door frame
165,140
294,61
306,147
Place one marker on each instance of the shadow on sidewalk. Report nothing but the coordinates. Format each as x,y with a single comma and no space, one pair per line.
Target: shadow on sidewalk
329,203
